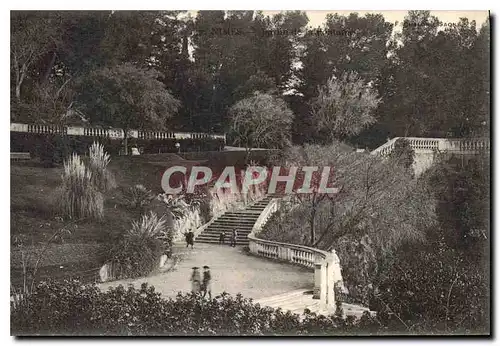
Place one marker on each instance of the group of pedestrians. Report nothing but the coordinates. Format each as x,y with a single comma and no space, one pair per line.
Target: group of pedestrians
234,237
222,236
201,285
204,284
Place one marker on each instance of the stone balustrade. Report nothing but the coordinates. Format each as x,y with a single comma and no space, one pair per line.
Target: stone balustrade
326,265
457,145
110,132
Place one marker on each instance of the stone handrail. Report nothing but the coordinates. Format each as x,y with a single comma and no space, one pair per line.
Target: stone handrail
459,145
110,132
298,254
326,265
270,209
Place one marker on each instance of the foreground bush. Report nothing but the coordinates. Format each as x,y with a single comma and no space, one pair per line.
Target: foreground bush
433,287
78,196
71,308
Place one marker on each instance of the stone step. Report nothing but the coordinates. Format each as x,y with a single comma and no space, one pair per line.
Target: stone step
296,303
231,225
226,240
226,243
217,231
243,213
235,220
239,217
276,299
216,234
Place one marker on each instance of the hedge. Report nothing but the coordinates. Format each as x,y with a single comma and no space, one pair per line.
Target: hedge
71,308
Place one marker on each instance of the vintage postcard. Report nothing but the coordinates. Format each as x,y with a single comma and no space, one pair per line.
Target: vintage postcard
202,173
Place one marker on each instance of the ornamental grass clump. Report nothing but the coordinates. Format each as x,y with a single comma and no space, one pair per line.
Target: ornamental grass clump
138,196
78,195
98,164
138,250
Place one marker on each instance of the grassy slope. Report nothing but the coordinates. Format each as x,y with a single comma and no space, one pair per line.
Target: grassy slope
34,217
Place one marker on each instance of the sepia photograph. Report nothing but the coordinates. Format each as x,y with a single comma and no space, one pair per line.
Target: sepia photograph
250,173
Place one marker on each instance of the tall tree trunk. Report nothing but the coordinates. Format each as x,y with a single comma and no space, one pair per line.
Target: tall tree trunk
313,225
49,67
247,155
125,142
18,91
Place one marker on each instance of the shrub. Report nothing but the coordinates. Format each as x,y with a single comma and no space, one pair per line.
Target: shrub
64,308
98,163
138,196
71,308
78,196
138,250
432,288
403,154
176,205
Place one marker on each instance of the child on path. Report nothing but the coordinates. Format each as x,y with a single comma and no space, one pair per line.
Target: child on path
222,235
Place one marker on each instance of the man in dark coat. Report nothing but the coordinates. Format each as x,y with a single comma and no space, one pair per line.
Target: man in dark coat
195,280
189,239
207,282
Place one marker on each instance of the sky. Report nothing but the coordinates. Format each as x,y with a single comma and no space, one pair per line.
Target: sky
317,18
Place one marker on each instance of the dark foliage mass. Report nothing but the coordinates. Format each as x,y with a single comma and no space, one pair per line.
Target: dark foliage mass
435,283
217,72
70,308
429,80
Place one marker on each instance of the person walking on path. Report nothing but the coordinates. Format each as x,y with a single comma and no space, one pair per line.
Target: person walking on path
189,239
207,282
222,235
195,280
234,237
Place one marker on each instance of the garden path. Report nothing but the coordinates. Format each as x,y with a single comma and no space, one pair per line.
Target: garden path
232,269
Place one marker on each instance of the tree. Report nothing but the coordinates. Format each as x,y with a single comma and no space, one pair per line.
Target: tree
33,35
232,47
344,106
438,81
257,82
462,190
378,207
127,97
344,43
261,120
403,154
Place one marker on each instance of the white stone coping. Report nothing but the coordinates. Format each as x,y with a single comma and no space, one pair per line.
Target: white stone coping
462,145
111,132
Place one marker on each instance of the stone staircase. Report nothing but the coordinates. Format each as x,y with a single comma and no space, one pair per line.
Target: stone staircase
299,300
243,220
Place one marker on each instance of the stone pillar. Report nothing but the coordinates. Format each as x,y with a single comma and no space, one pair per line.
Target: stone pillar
330,284
323,290
317,281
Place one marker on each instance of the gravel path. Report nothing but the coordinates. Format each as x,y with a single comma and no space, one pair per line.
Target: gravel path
232,271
